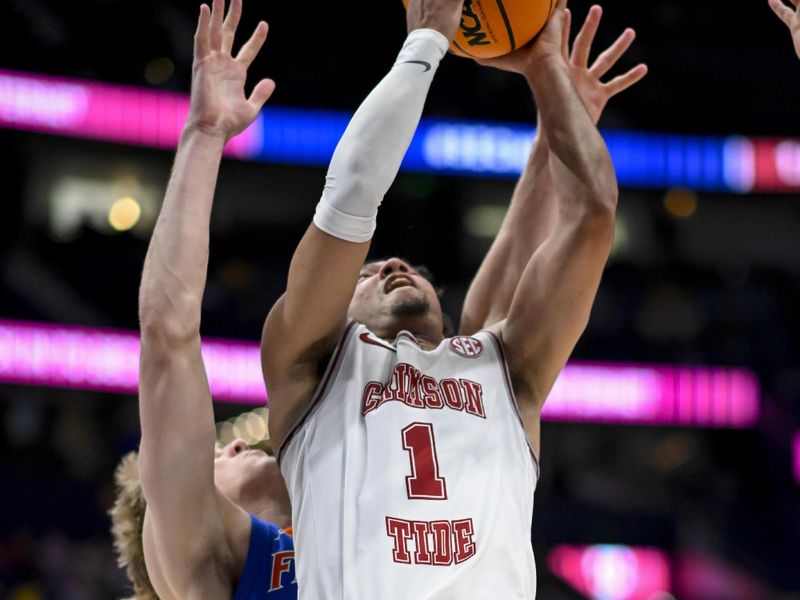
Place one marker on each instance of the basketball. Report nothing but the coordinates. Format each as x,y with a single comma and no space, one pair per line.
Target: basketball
491,28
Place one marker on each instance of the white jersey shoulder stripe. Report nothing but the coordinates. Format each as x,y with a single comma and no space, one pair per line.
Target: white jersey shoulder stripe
322,388
507,376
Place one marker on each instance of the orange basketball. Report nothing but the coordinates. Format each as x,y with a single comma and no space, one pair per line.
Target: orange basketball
492,28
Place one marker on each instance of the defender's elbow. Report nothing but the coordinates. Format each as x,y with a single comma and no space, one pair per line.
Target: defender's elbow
599,204
167,329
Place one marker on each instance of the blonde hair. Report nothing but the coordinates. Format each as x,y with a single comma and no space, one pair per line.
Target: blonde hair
127,521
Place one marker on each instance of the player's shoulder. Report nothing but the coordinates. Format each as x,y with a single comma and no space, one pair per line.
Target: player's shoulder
271,535
476,344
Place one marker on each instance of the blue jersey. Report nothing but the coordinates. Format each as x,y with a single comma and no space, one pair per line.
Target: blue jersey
269,570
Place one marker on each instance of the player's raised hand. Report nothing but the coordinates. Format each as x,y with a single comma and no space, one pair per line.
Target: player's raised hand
219,105
547,44
791,18
587,79
441,15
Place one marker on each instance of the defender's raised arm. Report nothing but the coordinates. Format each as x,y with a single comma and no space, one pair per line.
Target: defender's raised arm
189,537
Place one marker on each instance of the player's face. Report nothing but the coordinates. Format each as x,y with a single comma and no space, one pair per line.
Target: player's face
245,474
391,294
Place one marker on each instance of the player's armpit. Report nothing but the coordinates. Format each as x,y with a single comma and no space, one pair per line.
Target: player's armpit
551,307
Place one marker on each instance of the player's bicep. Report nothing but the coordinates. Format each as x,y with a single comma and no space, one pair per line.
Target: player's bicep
199,561
322,278
176,457
551,306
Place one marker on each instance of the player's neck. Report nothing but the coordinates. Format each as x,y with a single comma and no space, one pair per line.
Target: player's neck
427,342
275,511
427,335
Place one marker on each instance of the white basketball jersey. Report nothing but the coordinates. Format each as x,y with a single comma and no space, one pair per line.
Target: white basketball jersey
410,475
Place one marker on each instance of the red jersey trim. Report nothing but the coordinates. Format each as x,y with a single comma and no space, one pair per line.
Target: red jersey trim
498,342
321,390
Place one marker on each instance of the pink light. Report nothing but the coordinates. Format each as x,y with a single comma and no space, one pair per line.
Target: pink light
102,112
100,359
796,455
650,394
704,577
108,360
607,572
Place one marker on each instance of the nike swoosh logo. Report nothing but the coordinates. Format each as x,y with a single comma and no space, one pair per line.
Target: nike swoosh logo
427,65
367,339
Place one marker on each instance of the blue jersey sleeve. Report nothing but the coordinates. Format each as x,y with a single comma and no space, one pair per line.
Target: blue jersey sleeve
269,569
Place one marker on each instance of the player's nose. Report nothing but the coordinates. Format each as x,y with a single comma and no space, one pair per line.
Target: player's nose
394,265
235,447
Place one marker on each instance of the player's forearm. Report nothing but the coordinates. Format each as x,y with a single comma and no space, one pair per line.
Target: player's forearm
580,164
175,268
531,213
172,379
325,266
528,219
369,154
527,223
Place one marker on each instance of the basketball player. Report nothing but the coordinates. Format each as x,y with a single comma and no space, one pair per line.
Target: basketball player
791,18
214,523
410,458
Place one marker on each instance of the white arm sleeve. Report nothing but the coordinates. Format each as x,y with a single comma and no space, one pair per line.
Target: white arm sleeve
368,156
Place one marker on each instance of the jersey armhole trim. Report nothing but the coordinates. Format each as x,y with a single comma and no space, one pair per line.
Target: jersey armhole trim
321,390
507,377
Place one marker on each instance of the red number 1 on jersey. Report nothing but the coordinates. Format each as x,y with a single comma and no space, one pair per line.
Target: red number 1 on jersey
424,482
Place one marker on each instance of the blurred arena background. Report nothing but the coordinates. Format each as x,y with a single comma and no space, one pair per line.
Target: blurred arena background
671,457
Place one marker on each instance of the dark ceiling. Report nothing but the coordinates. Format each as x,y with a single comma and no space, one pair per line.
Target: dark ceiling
716,66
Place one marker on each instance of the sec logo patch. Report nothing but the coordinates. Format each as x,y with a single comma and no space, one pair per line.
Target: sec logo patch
466,346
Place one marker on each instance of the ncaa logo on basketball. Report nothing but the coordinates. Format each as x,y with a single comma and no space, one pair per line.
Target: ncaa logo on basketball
466,346
471,26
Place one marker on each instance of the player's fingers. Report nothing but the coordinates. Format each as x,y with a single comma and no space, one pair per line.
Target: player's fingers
558,13
566,33
261,93
252,47
230,24
626,80
201,35
784,13
583,41
215,27
609,57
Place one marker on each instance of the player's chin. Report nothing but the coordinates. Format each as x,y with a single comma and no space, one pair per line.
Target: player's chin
413,305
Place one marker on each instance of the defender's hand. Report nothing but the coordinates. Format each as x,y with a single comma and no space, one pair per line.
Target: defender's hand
791,18
594,93
441,15
219,105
